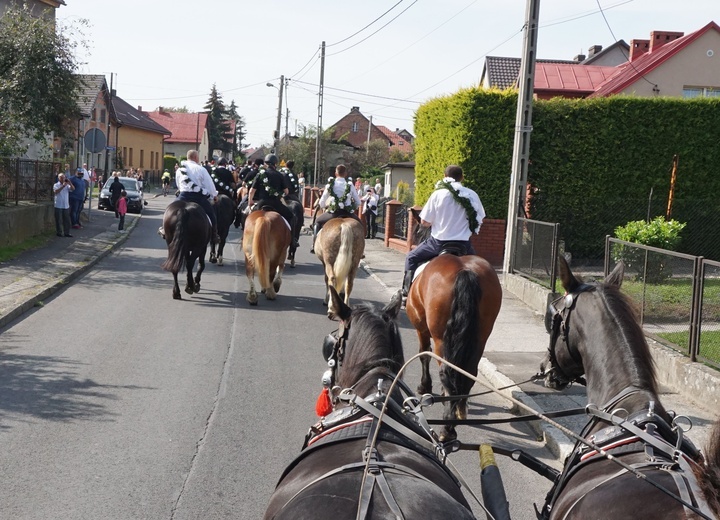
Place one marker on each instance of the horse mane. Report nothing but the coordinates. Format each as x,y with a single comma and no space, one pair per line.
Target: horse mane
373,346
623,314
421,233
708,474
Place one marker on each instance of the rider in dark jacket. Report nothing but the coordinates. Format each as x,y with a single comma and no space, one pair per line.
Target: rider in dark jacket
269,187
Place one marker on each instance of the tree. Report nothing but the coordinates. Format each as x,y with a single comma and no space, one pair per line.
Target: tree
301,149
178,110
219,135
38,85
232,115
367,161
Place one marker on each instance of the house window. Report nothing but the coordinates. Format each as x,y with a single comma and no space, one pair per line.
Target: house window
103,114
693,92
92,114
130,159
142,158
355,127
400,143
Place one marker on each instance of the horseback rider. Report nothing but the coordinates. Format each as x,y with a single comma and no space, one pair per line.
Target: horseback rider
291,181
195,185
339,199
455,213
269,186
224,179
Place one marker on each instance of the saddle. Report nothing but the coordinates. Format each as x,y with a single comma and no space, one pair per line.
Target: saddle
453,248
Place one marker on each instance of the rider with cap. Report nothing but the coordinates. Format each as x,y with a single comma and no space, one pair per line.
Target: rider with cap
339,199
454,212
224,179
269,187
196,185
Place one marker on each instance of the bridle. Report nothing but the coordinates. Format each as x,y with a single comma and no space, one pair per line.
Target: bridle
334,352
558,327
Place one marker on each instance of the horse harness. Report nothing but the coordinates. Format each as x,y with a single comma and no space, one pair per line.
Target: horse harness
664,445
366,418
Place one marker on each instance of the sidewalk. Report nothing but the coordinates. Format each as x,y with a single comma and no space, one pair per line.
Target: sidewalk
513,354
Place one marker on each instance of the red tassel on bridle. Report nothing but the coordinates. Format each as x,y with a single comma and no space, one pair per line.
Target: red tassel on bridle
323,406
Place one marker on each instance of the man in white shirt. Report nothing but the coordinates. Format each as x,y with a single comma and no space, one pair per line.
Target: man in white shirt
450,210
195,185
339,199
61,190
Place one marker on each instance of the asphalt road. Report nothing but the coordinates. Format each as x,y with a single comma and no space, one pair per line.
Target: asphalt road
118,402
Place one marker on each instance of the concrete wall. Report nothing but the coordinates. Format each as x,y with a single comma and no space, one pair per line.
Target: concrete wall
18,223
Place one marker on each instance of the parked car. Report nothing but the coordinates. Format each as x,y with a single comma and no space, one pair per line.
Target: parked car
135,200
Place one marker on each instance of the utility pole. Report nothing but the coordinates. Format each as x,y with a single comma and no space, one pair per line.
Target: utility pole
523,127
320,109
279,114
287,118
367,146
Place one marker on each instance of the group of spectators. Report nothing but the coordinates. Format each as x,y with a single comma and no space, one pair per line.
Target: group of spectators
71,191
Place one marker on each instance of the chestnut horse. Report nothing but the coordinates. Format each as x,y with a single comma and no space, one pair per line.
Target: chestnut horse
187,233
340,246
454,301
265,242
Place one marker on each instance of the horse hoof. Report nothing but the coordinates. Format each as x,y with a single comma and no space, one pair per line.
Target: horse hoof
220,261
188,289
197,288
177,296
213,260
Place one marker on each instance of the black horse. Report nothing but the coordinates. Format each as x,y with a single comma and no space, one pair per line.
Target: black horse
659,474
330,478
225,212
299,213
187,233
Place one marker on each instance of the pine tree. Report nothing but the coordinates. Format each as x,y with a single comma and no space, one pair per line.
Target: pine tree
232,115
217,126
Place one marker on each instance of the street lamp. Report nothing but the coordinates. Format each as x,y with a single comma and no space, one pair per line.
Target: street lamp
279,114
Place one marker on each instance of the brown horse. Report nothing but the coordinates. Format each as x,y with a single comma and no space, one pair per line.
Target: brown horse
340,247
454,301
187,233
265,242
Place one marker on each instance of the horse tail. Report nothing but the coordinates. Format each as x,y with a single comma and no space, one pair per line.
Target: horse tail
343,260
708,475
261,249
460,340
177,248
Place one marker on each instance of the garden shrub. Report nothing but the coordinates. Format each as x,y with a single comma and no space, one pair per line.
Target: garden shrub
660,233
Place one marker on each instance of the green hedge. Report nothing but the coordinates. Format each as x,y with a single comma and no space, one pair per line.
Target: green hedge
593,162
169,162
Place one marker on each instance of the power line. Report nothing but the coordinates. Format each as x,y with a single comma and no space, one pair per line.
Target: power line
199,95
358,93
583,15
308,62
372,34
368,25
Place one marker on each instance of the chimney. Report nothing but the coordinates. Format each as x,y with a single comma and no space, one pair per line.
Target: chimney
113,93
139,108
638,48
660,38
355,109
595,49
579,58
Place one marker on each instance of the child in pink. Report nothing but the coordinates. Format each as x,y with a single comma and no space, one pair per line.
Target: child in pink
122,209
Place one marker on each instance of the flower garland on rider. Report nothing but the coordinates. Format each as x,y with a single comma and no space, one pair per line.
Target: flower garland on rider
221,184
335,202
291,176
262,176
465,202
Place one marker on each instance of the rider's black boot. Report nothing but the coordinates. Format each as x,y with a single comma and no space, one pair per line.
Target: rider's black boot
407,281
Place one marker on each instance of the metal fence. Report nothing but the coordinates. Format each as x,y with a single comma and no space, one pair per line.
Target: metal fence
536,249
380,219
401,223
26,180
677,296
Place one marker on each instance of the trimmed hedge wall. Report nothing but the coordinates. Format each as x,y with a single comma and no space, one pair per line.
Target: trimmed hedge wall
593,163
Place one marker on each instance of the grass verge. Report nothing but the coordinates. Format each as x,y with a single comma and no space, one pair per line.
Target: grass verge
10,252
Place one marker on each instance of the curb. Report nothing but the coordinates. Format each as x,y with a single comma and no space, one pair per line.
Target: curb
109,240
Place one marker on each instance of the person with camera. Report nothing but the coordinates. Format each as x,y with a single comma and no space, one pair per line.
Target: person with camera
61,190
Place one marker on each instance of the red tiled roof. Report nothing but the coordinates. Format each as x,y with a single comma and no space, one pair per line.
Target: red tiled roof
568,77
631,72
395,139
185,127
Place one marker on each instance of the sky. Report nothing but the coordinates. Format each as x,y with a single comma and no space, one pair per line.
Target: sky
385,56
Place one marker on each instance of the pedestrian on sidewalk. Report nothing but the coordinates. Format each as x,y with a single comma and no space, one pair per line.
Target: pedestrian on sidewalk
77,197
454,212
62,189
369,210
122,210
115,189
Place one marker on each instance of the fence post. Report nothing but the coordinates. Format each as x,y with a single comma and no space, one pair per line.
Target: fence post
37,171
554,249
391,208
696,309
606,266
17,181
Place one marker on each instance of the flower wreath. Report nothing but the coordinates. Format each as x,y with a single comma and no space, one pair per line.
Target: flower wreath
293,180
262,177
221,184
465,202
335,203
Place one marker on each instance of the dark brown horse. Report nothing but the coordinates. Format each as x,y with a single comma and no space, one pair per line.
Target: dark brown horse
406,478
225,213
187,233
299,213
454,302
593,332
265,242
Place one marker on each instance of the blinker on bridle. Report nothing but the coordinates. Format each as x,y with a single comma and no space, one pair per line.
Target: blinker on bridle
557,325
334,352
